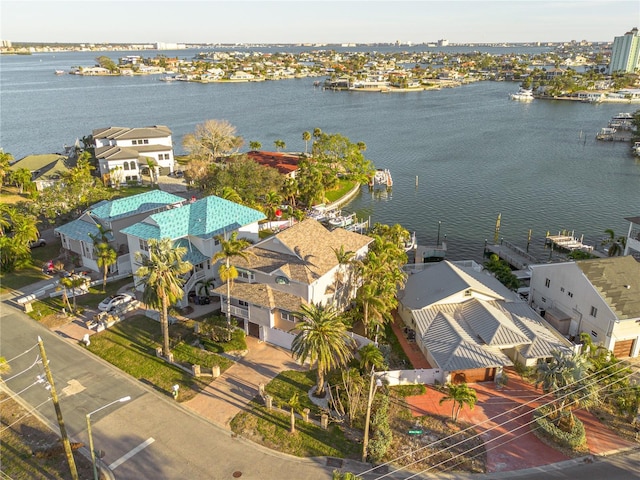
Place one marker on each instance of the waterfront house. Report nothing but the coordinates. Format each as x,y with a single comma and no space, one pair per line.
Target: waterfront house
469,325
285,271
600,297
107,219
285,163
123,154
633,238
194,225
46,170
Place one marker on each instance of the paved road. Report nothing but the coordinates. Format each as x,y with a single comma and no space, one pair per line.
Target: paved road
163,439
153,437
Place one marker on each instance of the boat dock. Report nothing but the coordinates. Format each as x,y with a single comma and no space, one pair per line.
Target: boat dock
568,242
513,255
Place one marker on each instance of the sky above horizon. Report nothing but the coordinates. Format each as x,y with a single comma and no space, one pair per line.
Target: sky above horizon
319,21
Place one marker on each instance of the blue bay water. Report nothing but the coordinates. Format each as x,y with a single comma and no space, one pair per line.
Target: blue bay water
475,153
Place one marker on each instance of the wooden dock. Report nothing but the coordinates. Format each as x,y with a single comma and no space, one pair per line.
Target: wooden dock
513,255
568,242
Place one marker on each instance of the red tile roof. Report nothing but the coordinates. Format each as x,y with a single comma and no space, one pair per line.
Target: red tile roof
285,163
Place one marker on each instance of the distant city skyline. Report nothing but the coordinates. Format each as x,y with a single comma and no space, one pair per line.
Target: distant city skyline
320,21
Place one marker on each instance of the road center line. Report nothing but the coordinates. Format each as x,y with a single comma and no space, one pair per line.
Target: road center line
131,453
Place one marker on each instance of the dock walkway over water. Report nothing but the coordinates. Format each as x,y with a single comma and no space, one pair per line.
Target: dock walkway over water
515,256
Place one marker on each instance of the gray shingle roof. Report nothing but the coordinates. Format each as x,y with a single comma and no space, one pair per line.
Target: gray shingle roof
124,133
617,280
262,295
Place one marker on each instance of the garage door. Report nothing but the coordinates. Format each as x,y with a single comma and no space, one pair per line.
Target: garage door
623,348
473,376
254,330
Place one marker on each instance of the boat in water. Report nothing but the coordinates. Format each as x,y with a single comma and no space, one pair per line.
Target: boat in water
341,220
522,95
382,178
59,72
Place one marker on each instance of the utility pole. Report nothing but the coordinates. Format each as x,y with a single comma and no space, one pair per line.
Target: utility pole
56,405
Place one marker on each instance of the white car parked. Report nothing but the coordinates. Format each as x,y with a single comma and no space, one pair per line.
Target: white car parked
114,301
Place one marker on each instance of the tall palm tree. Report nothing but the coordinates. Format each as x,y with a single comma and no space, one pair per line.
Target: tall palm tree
232,248
161,274
616,245
279,144
321,338
460,394
5,162
152,165
370,357
344,258
254,145
306,136
105,257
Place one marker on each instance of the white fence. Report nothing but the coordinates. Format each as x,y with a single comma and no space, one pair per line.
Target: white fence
424,376
284,339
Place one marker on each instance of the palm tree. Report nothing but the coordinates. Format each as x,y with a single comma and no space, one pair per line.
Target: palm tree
321,338
71,283
63,285
344,258
102,236
306,136
161,274
232,248
294,406
370,357
228,193
460,394
272,203
279,144
616,245
255,145
317,133
5,162
564,376
105,257
152,165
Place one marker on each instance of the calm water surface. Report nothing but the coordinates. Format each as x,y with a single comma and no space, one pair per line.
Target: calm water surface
475,152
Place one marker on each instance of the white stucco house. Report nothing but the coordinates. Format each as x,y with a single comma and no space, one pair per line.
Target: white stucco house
633,238
600,297
109,218
122,153
194,225
471,326
295,267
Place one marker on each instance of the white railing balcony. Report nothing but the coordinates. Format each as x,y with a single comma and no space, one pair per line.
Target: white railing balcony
240,312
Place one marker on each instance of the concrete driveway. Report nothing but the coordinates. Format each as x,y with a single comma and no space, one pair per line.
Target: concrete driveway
230,393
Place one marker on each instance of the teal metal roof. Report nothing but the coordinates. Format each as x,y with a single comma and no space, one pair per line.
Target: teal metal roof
79,230
193,255
204,218
144,202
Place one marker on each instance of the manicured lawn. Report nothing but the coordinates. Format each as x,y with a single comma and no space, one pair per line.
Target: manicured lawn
33,272
271,427
131,345
344,187
48,305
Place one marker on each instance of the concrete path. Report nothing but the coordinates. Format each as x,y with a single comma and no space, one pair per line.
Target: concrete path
230,393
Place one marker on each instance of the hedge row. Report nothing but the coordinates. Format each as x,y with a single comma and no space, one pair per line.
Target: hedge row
573,439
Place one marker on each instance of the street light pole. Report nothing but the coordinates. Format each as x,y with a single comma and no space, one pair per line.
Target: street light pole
93,453
373,385
438,241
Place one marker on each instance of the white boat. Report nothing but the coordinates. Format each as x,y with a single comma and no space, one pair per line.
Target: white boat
342,220
59,72
382,178
522,95
411,243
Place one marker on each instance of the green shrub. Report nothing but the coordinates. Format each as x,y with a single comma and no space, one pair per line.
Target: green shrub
574,439
408,390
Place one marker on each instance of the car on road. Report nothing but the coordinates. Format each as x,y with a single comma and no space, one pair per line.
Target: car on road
114,301
41,242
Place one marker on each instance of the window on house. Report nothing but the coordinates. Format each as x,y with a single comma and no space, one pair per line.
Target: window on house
126,165
245,274
544,300
242,303
467,293
216,242
594,312
570,294
143,245
547,283
146,142
562,289
134,142
290,317
133,165
594,334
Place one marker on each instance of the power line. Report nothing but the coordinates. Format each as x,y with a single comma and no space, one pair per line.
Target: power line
23,353
493,419
12,395
29,412
35,362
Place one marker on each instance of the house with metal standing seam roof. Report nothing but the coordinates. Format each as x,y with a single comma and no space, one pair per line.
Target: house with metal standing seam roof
194,225
295,267
108,218
471,326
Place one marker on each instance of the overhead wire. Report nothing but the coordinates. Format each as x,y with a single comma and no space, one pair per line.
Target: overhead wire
21,354
35,362
550,394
